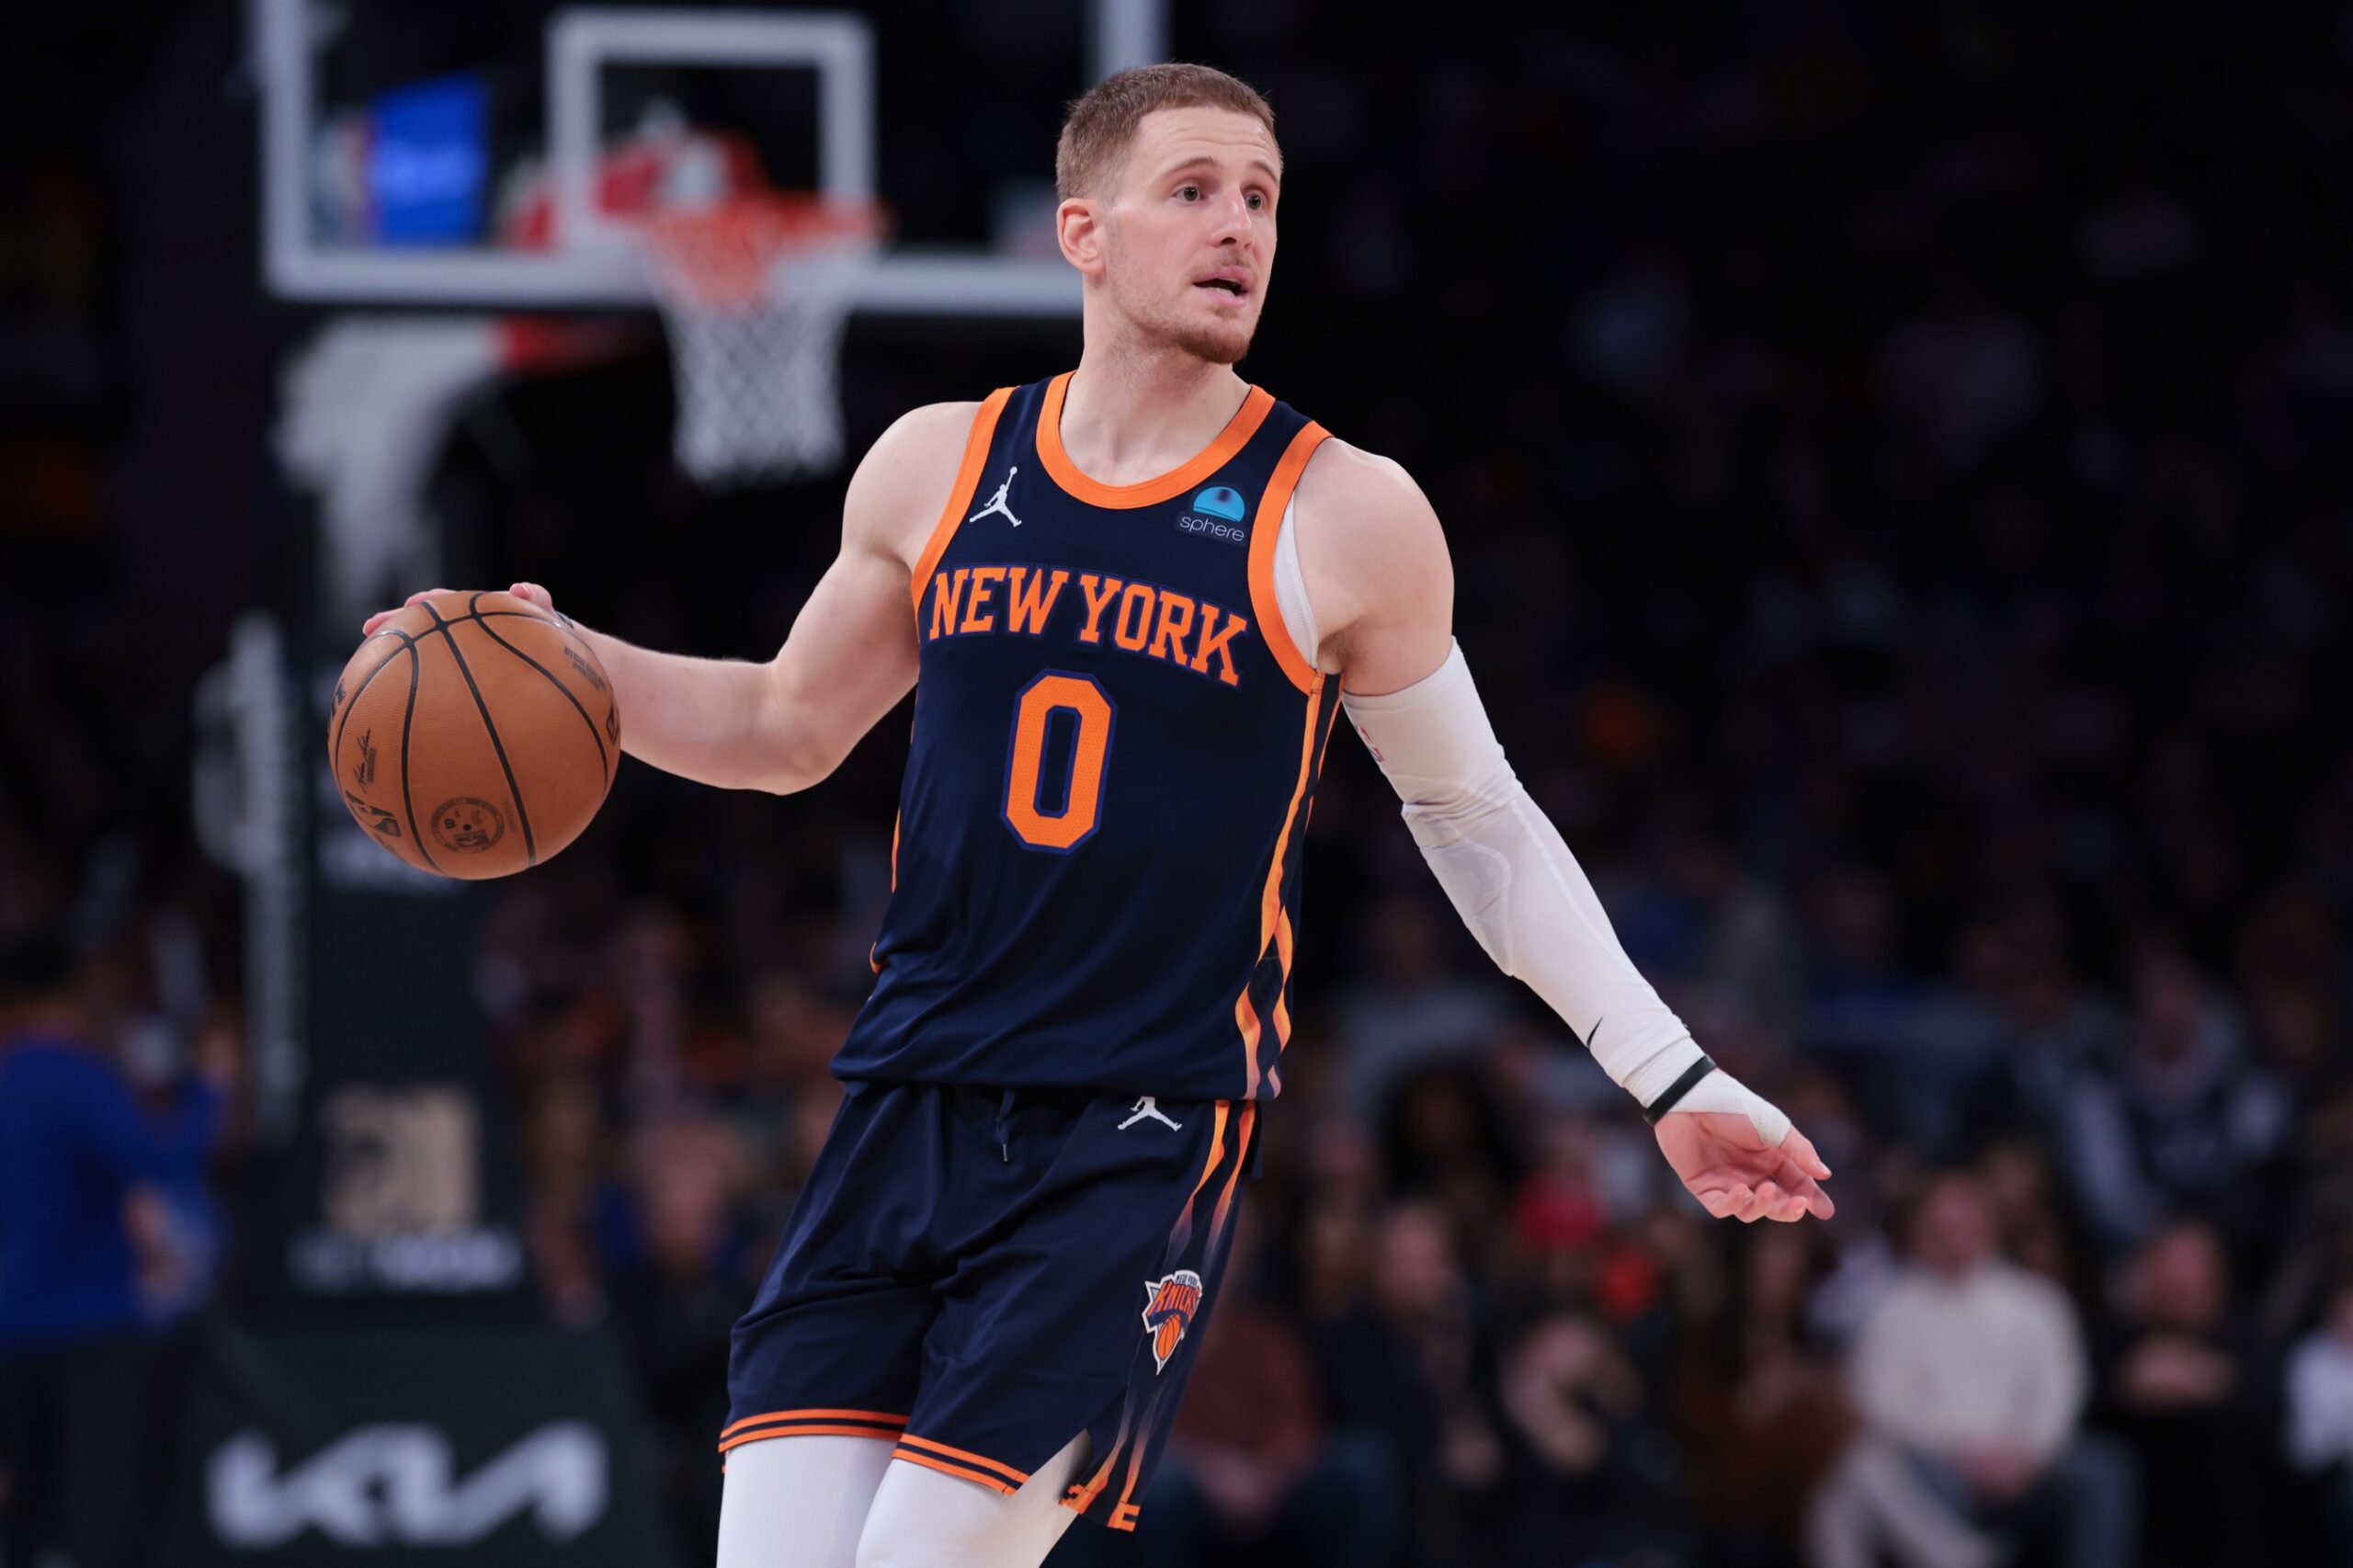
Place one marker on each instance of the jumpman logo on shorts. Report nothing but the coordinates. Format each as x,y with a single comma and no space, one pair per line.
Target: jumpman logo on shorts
997,501
1148,1108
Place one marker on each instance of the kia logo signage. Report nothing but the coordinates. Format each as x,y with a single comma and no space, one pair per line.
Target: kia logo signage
397,1485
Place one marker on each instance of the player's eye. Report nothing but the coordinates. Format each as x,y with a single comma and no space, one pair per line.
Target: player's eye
1257,202
1189,193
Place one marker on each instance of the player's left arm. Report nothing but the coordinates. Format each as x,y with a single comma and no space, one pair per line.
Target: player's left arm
1381,588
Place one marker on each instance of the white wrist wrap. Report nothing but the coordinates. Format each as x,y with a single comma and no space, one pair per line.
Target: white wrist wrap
1720,1091
1516,884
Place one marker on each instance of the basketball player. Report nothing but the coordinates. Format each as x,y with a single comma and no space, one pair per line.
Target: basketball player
1134,594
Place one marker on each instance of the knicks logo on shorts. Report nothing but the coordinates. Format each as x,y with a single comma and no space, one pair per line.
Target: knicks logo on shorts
1168,1313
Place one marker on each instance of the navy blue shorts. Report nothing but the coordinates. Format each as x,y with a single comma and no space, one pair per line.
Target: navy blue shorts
978,1275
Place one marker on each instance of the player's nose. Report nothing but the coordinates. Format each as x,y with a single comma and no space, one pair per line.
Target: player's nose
1236,224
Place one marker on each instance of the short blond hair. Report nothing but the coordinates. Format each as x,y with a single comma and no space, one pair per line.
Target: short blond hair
1100,125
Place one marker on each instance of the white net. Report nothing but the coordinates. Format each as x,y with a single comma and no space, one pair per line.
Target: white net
754,294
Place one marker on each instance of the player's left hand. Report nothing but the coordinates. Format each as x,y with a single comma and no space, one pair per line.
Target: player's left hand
1726,1163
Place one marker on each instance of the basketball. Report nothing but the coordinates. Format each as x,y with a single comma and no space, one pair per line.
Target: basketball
473,735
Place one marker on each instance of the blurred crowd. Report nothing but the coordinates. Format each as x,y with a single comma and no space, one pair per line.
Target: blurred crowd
1894,462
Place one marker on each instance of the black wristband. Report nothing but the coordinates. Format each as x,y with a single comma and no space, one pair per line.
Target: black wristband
1678,1089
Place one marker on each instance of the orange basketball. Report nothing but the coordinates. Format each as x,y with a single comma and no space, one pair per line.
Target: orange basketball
473,735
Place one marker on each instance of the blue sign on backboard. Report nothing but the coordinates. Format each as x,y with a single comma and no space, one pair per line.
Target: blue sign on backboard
428,161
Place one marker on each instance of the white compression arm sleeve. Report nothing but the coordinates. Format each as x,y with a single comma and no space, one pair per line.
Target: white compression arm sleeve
1523,894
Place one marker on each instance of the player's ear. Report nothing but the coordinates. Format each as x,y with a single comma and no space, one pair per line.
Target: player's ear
1080,232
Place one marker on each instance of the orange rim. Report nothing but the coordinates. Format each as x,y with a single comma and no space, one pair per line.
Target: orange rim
725,254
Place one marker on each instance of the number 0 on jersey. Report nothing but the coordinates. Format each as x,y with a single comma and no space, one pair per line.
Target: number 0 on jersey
1082,805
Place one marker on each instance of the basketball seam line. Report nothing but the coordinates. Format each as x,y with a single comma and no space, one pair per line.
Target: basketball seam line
353,700
524,615
514,791
570,629
602,758
408,727
334,746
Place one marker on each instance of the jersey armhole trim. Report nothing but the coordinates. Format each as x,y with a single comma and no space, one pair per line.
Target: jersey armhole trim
968,478
1265,603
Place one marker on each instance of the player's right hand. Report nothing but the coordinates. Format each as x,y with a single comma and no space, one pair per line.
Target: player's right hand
1726,1164
530,593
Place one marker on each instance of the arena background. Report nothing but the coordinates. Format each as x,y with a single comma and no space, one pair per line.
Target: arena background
1894,462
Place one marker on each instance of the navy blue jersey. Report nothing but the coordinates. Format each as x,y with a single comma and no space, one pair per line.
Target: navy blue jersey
1096,875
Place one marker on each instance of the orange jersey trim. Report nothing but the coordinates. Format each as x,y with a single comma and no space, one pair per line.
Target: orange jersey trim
1273,919
946,1467
1146,492
1079,1499
1217,1151
1006,1470
775,1416
1241,1152
1245,1018
1282,952
1125,1508
1262,534
968,476
1081,1496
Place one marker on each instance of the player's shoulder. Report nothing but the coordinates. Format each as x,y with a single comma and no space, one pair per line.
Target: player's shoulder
1372,498
907,477
1343,472
1372,555
932,432
1365,509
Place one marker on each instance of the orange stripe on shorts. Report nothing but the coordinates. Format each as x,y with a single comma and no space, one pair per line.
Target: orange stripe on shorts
775,1416
1006,1470
960,1472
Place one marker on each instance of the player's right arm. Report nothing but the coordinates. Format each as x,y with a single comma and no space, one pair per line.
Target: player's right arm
787,723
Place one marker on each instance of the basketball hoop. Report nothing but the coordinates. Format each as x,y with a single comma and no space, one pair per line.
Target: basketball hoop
754,291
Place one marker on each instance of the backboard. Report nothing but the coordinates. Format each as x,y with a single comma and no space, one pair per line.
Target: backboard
404,142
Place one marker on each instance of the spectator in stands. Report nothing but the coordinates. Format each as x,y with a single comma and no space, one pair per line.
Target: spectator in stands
1759,1406
1393,1331
2030,1215
1446,1141
2175,1387
2316,1250
2059,1027
1426,1303
562,1151
680,1283
1412,1011
2320,1413
1572,1411
81,1163
2181,1119
1872,1013
1969,1374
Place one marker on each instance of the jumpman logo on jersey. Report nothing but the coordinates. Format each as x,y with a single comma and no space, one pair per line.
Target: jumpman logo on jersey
1148,1108
997,501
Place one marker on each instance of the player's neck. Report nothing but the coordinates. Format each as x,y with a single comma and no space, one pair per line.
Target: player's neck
1133,413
